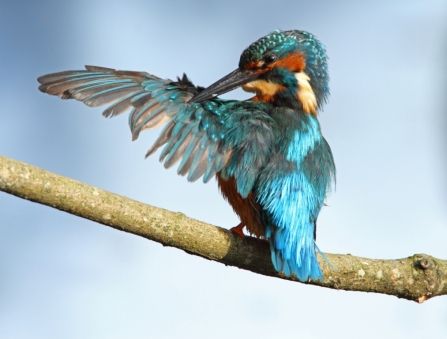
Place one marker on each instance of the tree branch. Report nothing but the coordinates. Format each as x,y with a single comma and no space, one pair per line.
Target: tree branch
416,278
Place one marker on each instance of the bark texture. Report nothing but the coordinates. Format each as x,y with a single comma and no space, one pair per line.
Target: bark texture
418,278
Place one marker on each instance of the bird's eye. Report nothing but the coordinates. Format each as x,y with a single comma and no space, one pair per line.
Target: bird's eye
270,58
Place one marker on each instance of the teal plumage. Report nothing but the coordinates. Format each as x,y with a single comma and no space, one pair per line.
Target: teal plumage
268,154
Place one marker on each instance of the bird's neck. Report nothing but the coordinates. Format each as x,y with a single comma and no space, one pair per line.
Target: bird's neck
298,94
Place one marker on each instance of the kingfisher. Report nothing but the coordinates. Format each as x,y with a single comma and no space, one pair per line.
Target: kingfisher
268,154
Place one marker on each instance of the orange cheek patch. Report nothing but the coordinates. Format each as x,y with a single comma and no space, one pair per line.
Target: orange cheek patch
263,98
294,62
265,91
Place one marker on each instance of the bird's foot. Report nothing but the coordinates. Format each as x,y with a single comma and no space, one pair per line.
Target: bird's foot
239,230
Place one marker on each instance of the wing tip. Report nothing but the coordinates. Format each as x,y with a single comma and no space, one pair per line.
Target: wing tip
99,69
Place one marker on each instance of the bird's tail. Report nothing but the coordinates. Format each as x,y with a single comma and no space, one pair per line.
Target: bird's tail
295,252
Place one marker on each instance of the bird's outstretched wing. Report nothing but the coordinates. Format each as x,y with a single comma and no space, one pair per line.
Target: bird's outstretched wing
230,137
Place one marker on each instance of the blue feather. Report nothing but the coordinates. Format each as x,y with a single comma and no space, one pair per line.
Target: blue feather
292,199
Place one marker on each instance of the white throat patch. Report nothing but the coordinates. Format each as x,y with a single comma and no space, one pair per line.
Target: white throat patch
306,94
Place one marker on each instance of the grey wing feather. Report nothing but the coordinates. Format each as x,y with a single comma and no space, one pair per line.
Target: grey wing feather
195,134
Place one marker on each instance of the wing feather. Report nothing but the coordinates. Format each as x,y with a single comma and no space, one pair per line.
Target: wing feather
163,139
122,105
188,157
213,136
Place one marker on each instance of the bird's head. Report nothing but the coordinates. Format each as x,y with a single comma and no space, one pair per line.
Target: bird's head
286,68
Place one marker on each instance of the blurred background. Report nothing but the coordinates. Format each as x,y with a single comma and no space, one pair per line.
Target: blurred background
65,277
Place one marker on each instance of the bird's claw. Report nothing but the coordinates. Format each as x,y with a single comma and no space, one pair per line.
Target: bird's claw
239,230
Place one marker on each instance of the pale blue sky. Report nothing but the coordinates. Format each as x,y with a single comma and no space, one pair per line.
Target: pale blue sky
64,277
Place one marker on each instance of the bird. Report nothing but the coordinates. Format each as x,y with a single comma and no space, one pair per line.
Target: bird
268,154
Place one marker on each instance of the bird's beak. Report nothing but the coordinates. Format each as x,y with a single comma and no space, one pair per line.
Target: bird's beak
229,82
